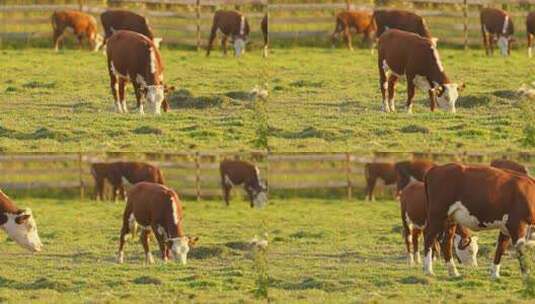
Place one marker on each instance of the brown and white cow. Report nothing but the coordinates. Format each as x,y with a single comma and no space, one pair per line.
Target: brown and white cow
239,172
407,171
115,20
264,28
497,26
414,217
134,57
361,21
115,172
81,24
232,24
404,53
509,165
401,20
479,198
530,31
156,208
373,171
19,224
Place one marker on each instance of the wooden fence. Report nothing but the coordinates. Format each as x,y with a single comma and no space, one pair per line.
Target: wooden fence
196,174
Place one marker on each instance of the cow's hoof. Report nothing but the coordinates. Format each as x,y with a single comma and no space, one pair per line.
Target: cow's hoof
120,258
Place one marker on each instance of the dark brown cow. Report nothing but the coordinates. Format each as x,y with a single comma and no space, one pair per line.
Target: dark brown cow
406,171
401,20
115,20
360,21
374,171
509,165
404,53
530,31
496,25
238,172
479,198
156,208
81,24
264,28
19,224
414,216
133,172
232,24
133,57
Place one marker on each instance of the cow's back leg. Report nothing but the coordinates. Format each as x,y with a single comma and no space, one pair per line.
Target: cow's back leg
144,238
139,97
213,34
392,80
431,232
518,233
491,44
503,242
122,99
128,223
415,237
226,193
335,33
161,242
224,44
383,84
370,187
530,44
411,90
485,39
99,188
80,38
407,237
447,250
57,37
249,196
347,36
114,85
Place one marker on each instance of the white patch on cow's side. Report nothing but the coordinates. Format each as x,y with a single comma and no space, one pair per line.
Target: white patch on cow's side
452,269
25,234
153,62
428,262
149,259
495,271
462,216
175,211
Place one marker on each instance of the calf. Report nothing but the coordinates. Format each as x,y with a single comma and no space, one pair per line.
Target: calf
374,171
114,20
360,21
82,25
496,25
413,217
238,172
404,53
155,207
407,171
401,20
530,31
19,224
479,198
133,57
232,24
509,165
133,172
264,28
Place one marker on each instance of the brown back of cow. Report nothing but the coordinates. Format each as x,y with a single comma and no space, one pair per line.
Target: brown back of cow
402,20
114,20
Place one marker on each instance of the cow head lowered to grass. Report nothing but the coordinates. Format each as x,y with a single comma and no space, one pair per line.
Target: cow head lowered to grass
19,224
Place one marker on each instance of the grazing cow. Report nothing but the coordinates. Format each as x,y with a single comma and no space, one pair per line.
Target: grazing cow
238,172
19,224
530,30
232,24
264,28
115,20
497,25
361,21
407,171
404,53
156,207
401,20
479,198
133,57
133,172
413,217
509,165
82,25
374,171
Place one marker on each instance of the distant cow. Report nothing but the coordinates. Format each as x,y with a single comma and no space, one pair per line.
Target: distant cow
401,20
232,24
407,171
19,224
509,165
81,24
404,53
374,171
133,172
264,28
115,20
238,172
414,217
360,21
479,198
496,25
156,208
530,30
133,57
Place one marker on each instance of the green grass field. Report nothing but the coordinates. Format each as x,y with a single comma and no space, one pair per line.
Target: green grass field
320,251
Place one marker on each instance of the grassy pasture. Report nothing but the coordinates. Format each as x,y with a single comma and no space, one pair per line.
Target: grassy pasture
320,251
62,102
329,100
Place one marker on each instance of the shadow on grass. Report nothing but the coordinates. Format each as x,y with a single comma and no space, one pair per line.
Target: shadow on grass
184,99
41,133
39,283
307,132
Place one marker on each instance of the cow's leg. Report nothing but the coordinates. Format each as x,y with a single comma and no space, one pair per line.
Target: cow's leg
122,99
491,44
139,97
485,39
99,189
125,230
518,233
431,232
447,250
161,243
383,85
334,36
149,259
114,92
530,43
347,35
80,39
226,193
415,236
392,80
503,242
370,187
411,89
213,34
58,33
224,44
432,100
250,196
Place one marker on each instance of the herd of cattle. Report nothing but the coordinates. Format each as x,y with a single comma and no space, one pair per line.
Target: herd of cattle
444,202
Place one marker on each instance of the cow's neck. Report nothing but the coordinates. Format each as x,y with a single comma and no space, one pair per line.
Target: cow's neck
174,221
438,76
6,206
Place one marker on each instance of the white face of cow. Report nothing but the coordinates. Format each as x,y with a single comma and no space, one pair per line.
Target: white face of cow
239,46
155,96
468,253
97,43
449,97
503,44
260,199
22,229
180,249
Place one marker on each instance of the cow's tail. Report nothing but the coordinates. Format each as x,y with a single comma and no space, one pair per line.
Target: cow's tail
160,178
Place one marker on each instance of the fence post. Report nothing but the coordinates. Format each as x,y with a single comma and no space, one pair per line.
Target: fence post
348,176
198,17
465,16
81,175
198,175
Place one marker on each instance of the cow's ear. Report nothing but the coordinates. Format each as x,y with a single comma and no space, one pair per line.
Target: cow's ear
192,241
21,219
169,89
461,87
